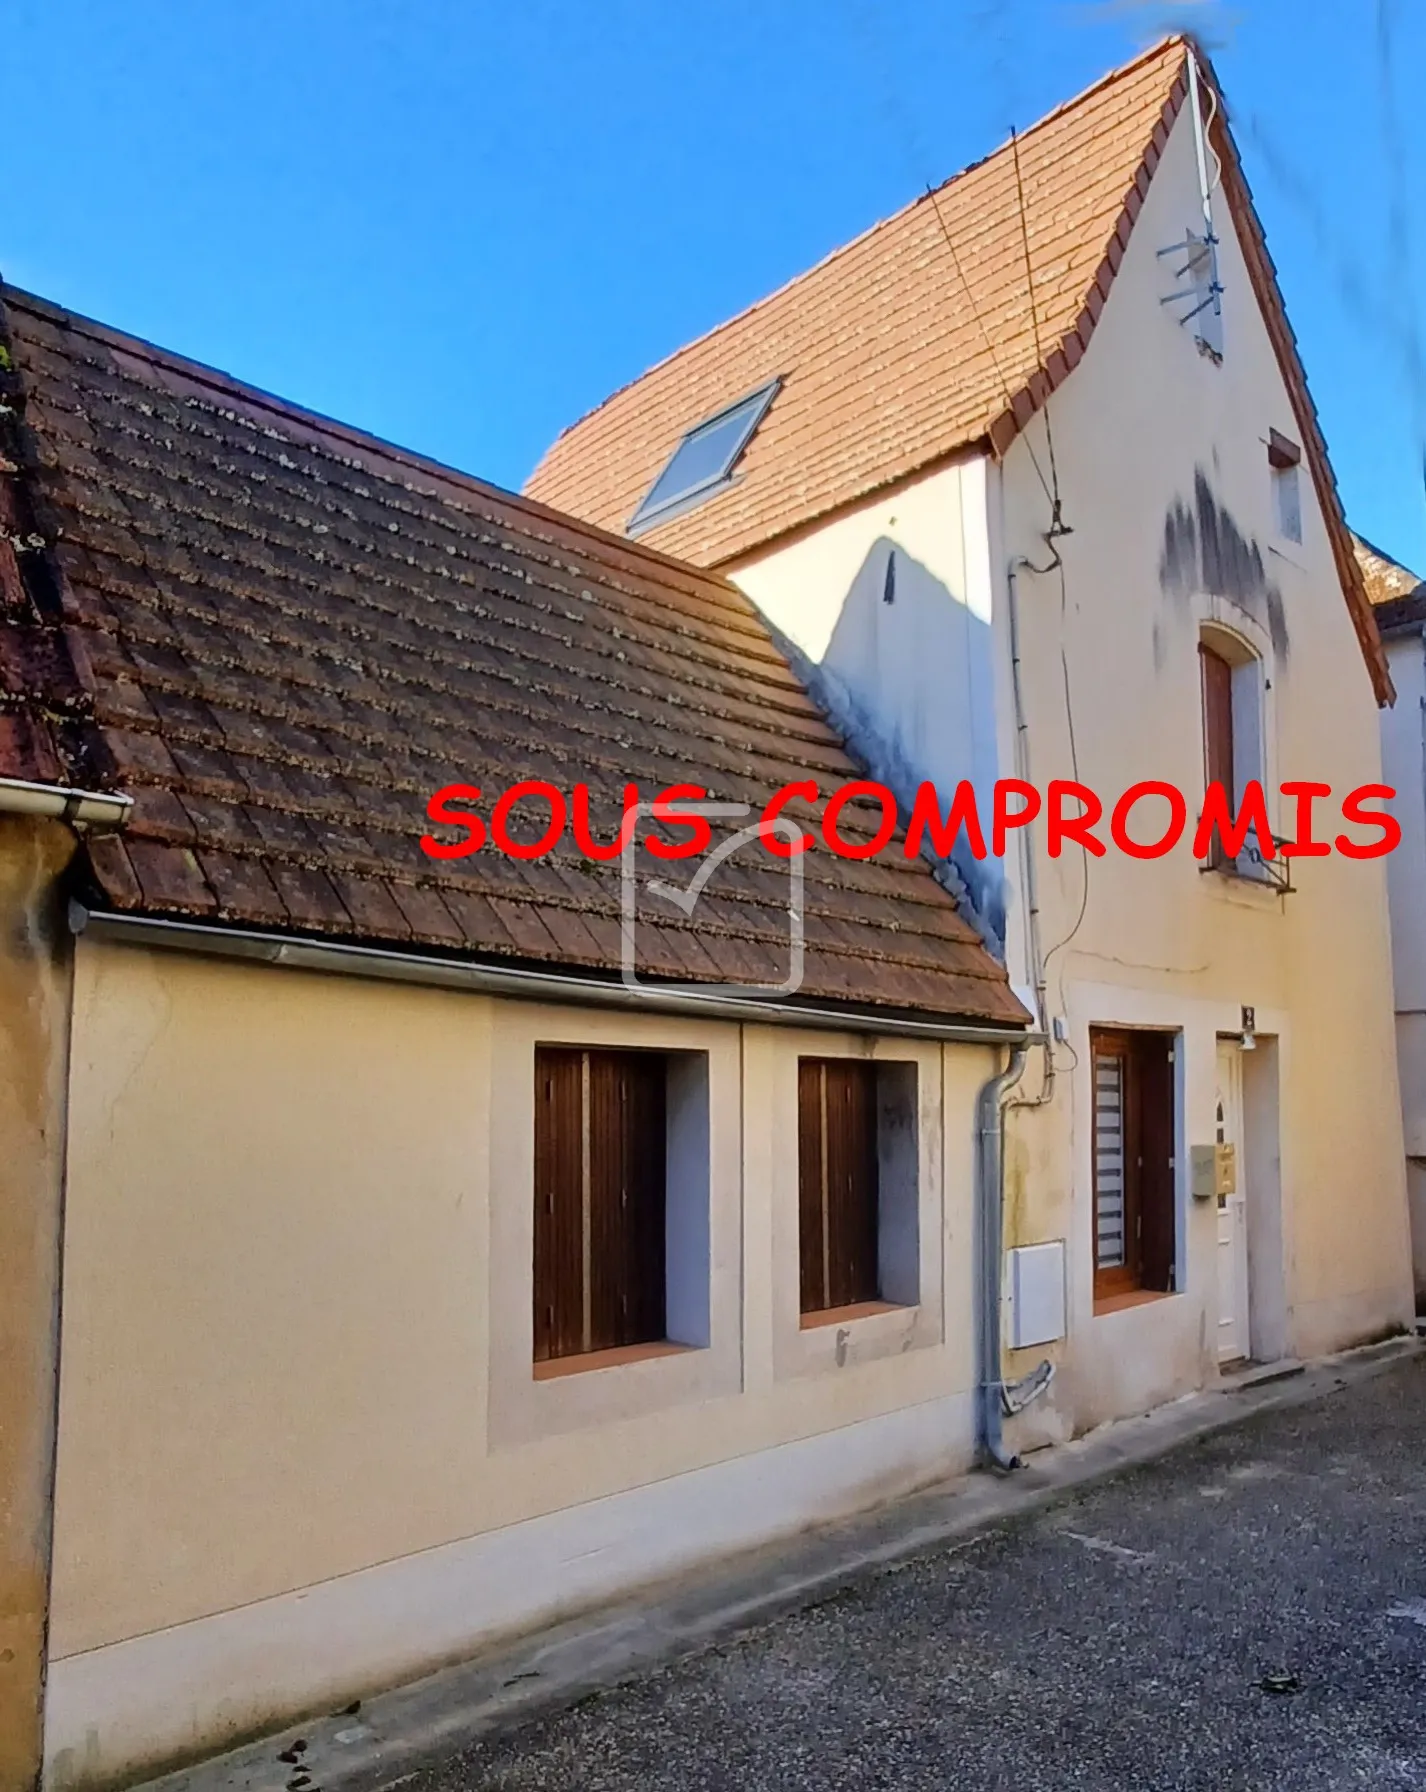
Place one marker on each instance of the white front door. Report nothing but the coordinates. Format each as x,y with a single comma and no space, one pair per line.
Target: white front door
1232,1209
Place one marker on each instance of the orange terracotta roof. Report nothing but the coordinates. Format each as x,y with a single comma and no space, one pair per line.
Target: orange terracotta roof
917,341
884,361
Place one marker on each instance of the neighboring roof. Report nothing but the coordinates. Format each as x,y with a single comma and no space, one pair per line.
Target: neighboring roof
1398,595
916,342
280,636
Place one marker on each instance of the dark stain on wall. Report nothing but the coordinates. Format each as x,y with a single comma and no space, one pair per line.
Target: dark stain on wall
1205,550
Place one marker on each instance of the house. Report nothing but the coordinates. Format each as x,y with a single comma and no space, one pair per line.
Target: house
430,1263
1029,480
349,1318
1399,600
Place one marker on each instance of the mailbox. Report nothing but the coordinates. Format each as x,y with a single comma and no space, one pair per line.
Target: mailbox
1225,1167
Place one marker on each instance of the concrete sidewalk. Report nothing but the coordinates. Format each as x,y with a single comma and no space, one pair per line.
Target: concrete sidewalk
398,1733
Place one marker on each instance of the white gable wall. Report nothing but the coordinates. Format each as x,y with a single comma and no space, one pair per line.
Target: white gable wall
1166,486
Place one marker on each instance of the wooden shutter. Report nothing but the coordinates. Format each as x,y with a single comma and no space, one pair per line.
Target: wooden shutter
1217,733
811,1184
1135,1213
1158,1215
600,1144
627,1156
837,1183
559,1204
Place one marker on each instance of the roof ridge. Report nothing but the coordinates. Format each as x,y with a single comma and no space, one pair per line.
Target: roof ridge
202,373
931,194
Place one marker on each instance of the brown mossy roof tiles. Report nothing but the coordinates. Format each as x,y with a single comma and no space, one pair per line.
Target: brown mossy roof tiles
280,637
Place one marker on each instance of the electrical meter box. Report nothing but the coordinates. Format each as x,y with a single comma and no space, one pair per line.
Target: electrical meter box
1213,1170
1035,1293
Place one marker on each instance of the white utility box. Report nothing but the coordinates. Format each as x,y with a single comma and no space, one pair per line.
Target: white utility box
1035,1294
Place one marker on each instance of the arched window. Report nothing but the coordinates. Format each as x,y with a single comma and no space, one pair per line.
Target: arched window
1234,753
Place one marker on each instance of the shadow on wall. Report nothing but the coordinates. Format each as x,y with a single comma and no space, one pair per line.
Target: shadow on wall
909,676
1205,550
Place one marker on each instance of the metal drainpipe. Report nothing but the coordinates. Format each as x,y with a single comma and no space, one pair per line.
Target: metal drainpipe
990,1165
95,809
1027,849
995,1397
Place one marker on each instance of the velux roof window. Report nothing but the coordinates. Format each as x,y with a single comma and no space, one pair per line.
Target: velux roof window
703,461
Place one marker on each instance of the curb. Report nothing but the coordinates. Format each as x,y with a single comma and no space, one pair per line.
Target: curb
387,1738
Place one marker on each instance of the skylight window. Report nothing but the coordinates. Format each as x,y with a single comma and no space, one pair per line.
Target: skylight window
703,461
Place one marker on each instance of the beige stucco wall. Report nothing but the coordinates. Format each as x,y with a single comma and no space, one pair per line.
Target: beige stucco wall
301,1452
1161,943
34,1043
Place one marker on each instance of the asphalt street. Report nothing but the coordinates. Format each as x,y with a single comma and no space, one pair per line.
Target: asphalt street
1248,1612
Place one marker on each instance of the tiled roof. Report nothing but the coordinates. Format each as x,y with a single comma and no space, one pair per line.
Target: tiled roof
885,348
1386,579
280,636
1398,596
917,341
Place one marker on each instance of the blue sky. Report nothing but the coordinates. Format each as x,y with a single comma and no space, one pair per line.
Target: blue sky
459,224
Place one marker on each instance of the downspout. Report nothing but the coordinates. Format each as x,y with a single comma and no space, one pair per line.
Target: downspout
990,1171
994,1398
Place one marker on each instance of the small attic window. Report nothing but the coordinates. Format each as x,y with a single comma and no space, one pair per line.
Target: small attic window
703,461
1284,458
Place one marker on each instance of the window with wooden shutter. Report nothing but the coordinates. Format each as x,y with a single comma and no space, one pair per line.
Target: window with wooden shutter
600,1223
1135,1211
837,1171
1218,756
